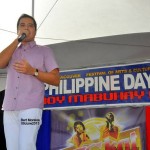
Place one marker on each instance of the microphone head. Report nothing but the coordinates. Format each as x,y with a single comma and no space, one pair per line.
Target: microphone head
22,37
24,34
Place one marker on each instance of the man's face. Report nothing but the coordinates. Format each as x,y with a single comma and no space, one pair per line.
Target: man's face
26,25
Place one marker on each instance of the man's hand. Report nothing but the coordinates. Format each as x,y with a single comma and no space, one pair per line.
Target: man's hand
24,67
20,32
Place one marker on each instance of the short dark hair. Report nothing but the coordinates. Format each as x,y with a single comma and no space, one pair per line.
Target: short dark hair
27,16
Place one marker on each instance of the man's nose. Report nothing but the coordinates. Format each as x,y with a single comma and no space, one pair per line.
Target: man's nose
26,26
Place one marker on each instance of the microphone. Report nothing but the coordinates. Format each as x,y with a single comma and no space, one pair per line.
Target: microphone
22,37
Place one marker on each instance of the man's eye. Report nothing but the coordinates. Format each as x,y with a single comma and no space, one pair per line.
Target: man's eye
22,25
30,25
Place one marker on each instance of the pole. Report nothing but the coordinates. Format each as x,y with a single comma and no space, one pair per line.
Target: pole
32,8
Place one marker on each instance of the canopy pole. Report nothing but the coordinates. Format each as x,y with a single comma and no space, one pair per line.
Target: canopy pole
32,8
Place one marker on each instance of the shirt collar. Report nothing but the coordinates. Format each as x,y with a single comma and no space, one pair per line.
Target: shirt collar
28,45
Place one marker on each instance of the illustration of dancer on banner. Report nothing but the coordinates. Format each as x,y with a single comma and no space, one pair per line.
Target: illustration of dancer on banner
81,137
109,130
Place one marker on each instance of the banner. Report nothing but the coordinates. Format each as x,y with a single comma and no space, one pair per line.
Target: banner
114,85
98,129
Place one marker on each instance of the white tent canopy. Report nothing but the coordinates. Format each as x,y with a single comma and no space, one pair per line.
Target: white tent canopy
66,20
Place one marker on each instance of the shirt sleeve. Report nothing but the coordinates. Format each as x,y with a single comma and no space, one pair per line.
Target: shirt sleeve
50,60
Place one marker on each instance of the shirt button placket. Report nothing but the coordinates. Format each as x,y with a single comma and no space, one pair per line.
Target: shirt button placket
16,88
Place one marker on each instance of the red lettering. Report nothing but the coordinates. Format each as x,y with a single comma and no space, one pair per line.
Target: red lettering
54,99
75,98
